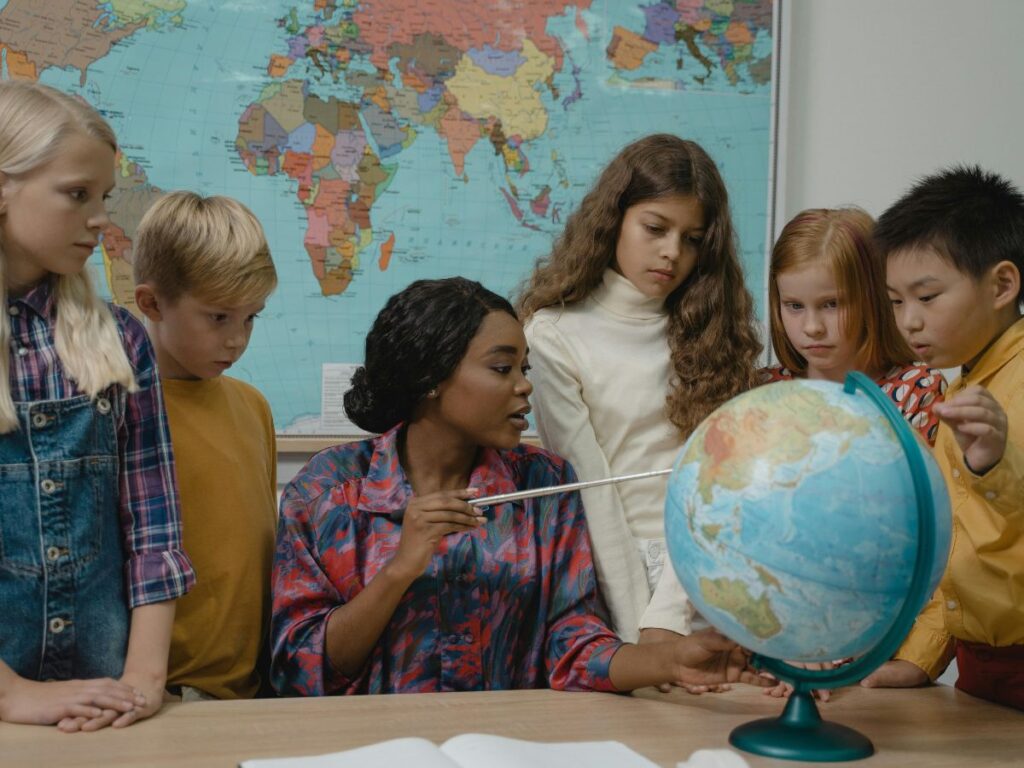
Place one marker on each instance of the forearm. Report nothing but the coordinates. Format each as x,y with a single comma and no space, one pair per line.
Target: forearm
354,628
635,666
149,642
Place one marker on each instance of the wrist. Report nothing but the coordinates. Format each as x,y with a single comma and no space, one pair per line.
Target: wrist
396,574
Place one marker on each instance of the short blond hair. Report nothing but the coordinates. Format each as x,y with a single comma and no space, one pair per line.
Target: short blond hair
211,247
34,121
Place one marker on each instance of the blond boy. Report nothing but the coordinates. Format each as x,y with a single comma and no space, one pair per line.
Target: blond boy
203,272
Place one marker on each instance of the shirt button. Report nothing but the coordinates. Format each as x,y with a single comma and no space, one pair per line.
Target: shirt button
52,553
57,625
48,486
453,639
22,351
13,310
951,605
990,495
103,405
467,639
39,420
956,474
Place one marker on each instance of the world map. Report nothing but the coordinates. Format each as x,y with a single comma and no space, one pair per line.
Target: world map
382,141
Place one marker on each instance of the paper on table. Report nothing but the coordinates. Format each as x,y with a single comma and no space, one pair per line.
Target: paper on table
471,750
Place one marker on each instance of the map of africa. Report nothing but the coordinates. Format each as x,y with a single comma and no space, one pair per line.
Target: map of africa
382,141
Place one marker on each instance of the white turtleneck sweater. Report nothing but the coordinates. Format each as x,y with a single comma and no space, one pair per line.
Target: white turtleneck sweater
601,371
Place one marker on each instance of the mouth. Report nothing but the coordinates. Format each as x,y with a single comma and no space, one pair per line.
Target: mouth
920,349
225,364
518,418
90,246
662,275
817,348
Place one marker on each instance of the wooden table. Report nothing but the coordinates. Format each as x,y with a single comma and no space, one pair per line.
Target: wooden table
937,726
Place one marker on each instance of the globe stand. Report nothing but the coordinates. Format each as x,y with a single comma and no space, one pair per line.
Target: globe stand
800,734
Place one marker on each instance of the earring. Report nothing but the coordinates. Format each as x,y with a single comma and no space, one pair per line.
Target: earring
432,393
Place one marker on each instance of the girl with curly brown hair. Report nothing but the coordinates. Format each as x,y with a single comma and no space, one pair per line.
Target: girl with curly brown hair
639,326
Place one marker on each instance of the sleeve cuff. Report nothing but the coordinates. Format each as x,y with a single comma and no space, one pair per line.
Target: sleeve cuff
599,666
154,577
931,651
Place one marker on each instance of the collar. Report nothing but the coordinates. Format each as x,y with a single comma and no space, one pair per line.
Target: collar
385,489
1009,344
620,297
39,299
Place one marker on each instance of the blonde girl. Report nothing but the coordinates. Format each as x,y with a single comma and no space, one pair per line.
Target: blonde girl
639,325
90,558
830,313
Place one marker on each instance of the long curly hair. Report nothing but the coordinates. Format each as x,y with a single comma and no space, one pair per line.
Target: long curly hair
416,342
712,335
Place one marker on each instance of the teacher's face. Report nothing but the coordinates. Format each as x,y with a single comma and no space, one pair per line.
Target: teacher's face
486,399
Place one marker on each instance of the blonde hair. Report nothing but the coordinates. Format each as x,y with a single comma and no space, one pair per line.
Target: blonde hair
712,338
34,120
842,238
211,247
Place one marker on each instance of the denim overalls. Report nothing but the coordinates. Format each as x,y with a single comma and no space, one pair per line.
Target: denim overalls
63,608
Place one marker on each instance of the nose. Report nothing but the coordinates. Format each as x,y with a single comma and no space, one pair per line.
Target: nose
524,386
99,218
237,339
671,249
812,323
908,318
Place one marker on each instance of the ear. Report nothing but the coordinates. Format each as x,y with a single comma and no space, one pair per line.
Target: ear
148,302
4,178
1006,284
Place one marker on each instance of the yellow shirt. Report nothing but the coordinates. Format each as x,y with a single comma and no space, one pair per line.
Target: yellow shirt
226,458
981,596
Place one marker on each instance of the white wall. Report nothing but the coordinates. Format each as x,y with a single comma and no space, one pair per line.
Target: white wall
876,93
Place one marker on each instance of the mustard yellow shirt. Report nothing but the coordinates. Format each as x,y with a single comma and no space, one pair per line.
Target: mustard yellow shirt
223,437
981,596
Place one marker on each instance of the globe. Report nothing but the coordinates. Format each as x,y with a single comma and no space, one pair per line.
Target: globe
808,522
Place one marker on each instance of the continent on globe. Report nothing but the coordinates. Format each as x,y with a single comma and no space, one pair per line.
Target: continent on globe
733,597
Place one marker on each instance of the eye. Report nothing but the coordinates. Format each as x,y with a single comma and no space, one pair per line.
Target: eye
793,306
830,304
78,195
218,317
654,229
695,240
526,368
926,299
251,318
896,302
502,369
106,196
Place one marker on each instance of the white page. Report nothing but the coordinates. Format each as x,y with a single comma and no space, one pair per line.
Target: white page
474,750
387,754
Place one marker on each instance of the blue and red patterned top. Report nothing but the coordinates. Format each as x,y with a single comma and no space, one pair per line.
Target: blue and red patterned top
914,389
512,604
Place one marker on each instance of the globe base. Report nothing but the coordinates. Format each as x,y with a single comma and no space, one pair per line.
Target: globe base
800,734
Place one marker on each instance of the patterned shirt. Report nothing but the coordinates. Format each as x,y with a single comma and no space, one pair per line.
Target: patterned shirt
512,604
914,390
156,567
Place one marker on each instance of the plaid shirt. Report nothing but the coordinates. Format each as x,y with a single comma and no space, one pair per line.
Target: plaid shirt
157,568
512,604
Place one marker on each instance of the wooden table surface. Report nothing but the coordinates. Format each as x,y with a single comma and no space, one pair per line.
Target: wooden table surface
936,726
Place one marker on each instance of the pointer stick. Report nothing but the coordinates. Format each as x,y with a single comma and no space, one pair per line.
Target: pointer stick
488,501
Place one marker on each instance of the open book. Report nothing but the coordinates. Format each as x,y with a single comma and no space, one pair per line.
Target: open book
471,750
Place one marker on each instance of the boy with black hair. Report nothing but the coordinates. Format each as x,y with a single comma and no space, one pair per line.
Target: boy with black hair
955,253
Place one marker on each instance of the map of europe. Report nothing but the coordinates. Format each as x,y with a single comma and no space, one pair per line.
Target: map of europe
383,141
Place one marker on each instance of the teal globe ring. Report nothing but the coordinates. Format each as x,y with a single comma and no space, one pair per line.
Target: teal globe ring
800,733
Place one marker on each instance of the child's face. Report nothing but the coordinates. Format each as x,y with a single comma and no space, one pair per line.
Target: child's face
51,217
812,315
659,241
946,316
197,339
486,399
